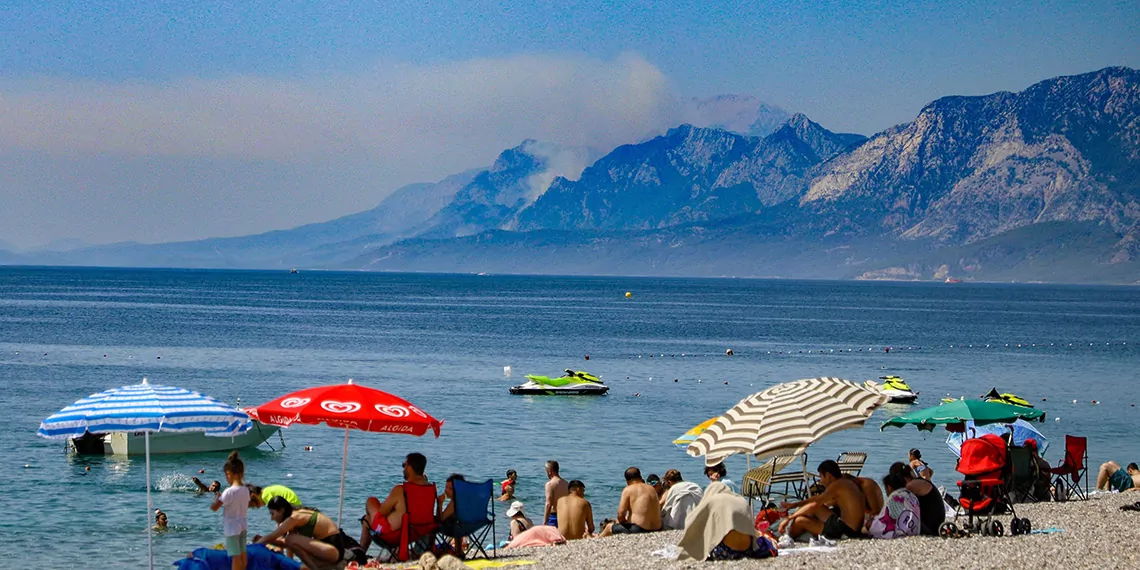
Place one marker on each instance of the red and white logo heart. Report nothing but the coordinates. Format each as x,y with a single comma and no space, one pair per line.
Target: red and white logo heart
394,411
340,407
294,402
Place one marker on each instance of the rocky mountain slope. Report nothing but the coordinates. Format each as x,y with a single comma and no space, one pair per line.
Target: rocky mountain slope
1043,184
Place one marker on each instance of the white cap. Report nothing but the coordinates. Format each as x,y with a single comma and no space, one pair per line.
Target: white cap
516,508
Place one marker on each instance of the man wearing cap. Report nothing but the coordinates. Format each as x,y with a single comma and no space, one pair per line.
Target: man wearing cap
519,521
654,481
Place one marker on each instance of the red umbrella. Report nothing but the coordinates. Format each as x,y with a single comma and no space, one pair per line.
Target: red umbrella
348,406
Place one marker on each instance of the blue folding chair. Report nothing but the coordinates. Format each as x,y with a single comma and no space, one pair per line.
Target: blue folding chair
474,516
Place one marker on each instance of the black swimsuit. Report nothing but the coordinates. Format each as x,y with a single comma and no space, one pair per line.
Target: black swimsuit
931,512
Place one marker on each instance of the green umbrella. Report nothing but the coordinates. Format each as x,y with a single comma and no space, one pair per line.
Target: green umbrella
978,411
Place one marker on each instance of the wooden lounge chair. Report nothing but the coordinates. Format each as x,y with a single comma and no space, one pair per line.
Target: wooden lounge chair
852,462
761,481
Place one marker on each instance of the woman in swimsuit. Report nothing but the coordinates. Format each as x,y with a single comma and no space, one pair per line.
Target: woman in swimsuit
920,467
311,535
931,509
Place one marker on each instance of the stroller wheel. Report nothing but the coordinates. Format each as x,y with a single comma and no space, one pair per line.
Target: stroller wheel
1026,526
1015,526
948,530
996,528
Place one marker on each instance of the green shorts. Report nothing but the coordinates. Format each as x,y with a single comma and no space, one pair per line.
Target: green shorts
1120,480
235,545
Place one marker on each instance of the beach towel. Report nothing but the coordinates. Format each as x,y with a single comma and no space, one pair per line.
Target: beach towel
682,498
540,535
719,512
259,557
899,517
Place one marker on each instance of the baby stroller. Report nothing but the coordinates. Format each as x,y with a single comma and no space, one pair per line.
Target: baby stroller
985,490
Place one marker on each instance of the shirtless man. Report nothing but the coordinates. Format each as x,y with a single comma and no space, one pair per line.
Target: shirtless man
387,516
836,513
1112,478
556,488
872,492
575,515
639,510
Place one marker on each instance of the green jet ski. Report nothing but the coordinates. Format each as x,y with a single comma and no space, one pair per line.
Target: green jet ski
573,383
1006,398
896,389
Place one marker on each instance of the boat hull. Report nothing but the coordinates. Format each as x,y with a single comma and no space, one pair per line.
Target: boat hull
898,397
539,390
133,443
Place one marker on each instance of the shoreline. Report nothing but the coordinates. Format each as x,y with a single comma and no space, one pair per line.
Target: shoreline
1093,534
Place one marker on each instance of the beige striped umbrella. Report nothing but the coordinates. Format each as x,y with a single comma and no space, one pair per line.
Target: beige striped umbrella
786,418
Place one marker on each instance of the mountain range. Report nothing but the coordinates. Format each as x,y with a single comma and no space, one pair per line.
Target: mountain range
1039,185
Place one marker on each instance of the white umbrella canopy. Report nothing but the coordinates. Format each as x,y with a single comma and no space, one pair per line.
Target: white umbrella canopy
786,418
147,408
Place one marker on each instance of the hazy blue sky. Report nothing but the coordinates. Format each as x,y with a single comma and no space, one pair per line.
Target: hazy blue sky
157,121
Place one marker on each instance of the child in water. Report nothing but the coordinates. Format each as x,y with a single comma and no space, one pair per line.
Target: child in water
235,499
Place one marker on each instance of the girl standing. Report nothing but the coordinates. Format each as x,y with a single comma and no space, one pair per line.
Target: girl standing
235,500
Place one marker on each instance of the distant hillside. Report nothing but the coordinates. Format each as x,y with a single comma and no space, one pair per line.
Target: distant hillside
1040,185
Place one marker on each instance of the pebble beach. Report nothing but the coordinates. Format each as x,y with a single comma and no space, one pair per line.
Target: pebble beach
1088,534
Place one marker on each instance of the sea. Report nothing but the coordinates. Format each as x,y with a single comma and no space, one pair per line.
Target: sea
454,344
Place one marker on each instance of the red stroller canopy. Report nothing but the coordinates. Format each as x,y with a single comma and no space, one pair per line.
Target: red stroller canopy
981,455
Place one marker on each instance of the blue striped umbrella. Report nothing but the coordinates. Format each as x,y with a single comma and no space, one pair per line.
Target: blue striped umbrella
146,408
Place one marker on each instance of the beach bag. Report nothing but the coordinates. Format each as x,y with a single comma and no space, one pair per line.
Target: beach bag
1060,493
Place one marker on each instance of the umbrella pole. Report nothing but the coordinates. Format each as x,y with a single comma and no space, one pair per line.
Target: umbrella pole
149,506
343,467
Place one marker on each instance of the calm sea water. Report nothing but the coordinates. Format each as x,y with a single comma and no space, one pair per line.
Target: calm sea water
441,341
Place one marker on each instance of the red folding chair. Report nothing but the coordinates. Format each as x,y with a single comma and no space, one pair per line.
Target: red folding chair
418,525
1072,474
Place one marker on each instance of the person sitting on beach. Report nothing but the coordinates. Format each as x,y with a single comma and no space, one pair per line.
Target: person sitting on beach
836,513
721,528
653,480
556,488
900,516
1112,478
931,511
680,498
639,510
310,535
921,468
508,486
215,487
160,520
872,492
575,515
445,514
717,473
519,521
387,516
260,496
1043,488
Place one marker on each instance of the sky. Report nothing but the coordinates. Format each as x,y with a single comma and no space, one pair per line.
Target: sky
165,121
